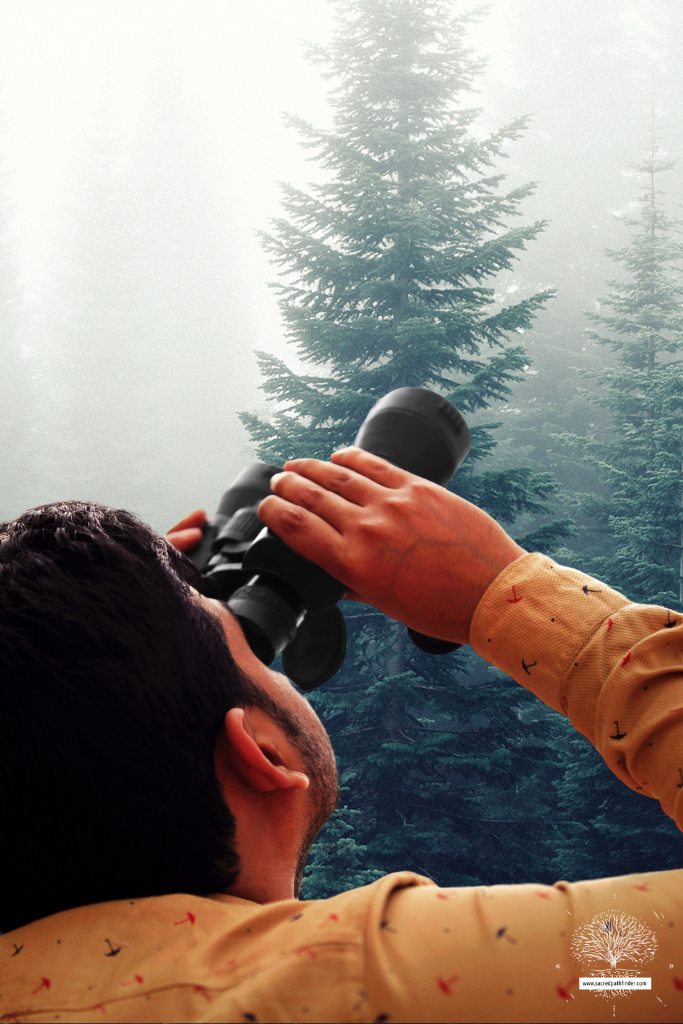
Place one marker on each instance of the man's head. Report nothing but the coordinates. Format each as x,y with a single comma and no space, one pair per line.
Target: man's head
116,689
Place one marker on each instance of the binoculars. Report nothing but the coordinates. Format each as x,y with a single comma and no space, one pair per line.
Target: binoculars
284,603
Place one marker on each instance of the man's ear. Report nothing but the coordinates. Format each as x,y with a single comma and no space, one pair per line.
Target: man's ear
252,758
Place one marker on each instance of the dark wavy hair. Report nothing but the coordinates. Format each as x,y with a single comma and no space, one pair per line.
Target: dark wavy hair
114,684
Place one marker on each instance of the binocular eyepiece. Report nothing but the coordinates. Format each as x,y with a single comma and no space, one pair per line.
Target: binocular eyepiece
286,604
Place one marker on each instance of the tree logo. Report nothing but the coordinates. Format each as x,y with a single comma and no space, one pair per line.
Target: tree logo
614,938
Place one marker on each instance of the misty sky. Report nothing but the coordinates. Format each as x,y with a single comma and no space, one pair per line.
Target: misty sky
584,69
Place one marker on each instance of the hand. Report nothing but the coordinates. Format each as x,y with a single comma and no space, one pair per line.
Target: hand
412,549
186,534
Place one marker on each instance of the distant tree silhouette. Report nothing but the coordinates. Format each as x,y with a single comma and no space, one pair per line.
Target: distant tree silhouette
635,529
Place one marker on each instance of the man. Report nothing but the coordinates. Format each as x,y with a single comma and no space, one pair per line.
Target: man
401,949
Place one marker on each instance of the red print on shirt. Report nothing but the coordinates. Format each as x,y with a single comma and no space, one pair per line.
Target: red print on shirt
190,918
137,979
44,983
564,993
445,986
306,949
223,970
514,599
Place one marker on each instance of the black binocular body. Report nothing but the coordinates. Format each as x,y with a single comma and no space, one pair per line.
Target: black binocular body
285,604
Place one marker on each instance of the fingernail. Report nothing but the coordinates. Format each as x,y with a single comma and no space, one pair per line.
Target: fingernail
274,479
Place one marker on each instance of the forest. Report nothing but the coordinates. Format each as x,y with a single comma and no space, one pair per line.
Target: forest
408,260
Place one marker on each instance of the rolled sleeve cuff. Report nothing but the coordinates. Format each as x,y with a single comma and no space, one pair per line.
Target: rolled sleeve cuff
535,618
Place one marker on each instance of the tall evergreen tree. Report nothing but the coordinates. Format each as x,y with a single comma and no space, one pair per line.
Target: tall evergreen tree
389,270
387,261
636,525
630,531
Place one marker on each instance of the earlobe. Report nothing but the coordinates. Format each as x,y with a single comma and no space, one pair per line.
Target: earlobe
248,760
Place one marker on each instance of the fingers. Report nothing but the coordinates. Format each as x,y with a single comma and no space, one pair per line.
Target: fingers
371,466
302,475
304,532
353,473
327,505
316,506
186,534
197,518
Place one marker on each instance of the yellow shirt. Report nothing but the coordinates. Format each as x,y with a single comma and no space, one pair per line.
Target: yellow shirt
403,949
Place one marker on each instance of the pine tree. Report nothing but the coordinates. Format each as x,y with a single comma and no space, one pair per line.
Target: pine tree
636,526
389,270
631,530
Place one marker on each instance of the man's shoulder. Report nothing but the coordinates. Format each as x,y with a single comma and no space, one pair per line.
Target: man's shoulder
178,909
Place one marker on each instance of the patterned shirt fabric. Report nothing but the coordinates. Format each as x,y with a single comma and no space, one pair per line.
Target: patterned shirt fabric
403,949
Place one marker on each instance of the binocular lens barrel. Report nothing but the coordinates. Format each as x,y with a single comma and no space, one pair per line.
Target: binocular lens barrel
285,603
419,431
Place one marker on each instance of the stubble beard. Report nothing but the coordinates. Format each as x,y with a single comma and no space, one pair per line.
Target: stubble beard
324,791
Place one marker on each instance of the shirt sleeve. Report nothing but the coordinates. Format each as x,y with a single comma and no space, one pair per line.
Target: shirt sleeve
518,952
614,668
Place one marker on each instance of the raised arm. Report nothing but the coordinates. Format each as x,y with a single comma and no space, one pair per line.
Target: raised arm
444,567
407,546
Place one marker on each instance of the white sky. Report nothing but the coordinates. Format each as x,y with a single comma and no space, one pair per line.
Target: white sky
242,65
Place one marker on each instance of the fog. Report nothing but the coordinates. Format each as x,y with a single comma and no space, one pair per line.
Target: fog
140,153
